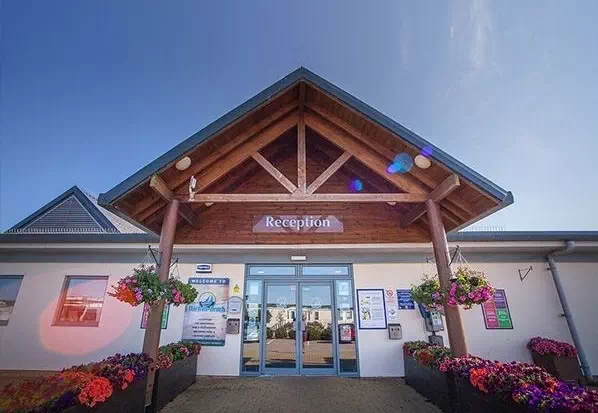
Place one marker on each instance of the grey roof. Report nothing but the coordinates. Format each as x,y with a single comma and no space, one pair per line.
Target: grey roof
506,236
73,212
302,74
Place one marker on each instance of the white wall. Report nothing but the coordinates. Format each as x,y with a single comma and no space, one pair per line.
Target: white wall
533,303
30,342
379,356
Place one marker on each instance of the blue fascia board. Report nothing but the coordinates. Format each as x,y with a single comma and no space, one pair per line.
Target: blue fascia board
162,162
77,238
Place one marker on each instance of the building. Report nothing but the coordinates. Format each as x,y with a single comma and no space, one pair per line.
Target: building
308,201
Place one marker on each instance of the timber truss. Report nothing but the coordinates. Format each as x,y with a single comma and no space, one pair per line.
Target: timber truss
299,114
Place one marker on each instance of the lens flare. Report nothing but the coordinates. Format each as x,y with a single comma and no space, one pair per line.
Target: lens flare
356,185
402,163
426,151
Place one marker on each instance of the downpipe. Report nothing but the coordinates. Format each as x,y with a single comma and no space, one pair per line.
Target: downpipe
569,248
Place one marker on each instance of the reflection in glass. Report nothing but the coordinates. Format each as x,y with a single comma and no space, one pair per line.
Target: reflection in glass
346,326
316,325
311,270
281,308
9,289
272,270
251,326
82,300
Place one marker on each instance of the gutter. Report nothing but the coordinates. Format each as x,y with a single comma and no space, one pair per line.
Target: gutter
568,249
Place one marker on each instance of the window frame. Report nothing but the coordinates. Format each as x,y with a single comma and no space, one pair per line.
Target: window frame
22,277
62,298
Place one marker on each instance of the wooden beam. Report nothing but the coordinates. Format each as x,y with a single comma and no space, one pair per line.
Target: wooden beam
399,198
212,157
272,170
185,211
363,154
440,192
328,172
301,155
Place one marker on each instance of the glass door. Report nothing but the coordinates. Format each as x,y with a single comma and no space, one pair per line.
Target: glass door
280,344
317,329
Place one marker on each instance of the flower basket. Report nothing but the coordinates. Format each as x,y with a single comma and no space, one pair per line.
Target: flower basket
433,384
565,368
471,400
131,400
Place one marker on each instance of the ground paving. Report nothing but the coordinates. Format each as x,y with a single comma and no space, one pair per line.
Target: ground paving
299,395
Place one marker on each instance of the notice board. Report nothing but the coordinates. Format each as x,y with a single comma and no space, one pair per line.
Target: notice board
496,312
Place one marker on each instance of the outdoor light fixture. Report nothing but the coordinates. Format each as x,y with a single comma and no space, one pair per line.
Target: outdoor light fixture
422,162
298,258
183,163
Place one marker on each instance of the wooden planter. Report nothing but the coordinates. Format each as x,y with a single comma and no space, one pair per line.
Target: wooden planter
433,384
471,400
566,369
130,400
171,382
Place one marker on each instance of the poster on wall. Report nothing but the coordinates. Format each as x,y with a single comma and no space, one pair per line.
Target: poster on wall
145,316
405,300
205,318
392,306
496,312
371,309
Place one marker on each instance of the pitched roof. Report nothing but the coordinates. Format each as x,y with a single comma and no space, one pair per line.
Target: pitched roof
74,212
302,74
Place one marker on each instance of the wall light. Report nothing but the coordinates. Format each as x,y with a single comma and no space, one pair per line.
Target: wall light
422,162
183,163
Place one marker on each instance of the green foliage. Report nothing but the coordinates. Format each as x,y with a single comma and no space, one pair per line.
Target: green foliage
426,292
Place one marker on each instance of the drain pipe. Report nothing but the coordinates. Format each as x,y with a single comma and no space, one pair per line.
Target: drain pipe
569,247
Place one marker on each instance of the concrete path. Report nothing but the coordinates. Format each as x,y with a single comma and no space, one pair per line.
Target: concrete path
299,394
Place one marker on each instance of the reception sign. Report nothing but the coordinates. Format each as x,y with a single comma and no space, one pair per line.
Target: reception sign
371,308
297,224
205,318
496,312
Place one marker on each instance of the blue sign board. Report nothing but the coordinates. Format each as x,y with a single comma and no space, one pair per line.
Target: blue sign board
405,300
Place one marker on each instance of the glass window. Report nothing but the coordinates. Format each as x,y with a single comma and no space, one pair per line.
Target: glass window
325,270
346,326
272,270
251,326
9,289
81,301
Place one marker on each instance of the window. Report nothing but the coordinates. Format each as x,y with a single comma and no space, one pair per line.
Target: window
9,289
317,316
81,301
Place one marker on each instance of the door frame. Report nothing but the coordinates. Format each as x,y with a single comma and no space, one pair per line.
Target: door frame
298,278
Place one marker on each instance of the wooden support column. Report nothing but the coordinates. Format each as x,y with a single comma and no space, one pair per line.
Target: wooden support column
151,340
454,325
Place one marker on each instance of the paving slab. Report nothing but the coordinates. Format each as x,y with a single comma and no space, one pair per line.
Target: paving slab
299,395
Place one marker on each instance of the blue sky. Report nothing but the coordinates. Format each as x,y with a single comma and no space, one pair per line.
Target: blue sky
93,91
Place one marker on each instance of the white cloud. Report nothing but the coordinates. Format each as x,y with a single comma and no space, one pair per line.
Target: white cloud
480,25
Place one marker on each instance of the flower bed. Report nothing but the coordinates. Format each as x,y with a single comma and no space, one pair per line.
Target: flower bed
115,384
177,369
473,384
556,357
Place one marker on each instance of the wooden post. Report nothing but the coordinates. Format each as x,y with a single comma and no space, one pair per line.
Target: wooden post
153,329
454,324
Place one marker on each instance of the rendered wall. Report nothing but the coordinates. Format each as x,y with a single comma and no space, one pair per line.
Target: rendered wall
30,342
533,303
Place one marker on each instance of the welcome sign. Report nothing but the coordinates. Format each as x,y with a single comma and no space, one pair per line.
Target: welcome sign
294,224
205,318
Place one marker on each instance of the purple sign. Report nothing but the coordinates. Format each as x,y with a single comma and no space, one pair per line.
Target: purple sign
496,312
297,224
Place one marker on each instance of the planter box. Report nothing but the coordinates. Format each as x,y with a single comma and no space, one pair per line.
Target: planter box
130,400
471,400
433,384
566,369
171,382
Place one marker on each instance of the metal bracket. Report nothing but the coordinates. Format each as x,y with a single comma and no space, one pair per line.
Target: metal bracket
527,271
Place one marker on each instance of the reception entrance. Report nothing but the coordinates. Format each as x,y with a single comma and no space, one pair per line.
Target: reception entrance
299,320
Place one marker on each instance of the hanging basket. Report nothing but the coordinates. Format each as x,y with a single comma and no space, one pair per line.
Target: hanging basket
144,286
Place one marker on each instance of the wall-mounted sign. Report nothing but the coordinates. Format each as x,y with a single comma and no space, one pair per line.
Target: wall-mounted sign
294,224
205,318
145,316
496,312
203,269
405,300
392,307
235,305
371,309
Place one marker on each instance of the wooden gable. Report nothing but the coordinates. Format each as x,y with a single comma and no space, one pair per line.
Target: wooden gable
299,153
